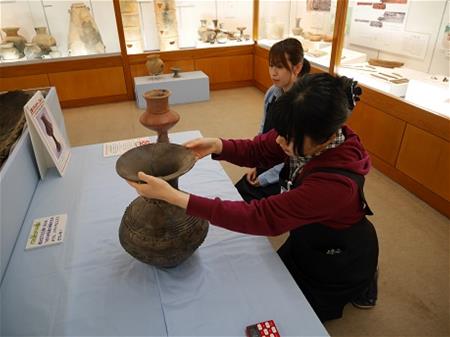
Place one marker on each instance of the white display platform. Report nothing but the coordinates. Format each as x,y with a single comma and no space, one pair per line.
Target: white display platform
192,86
431,95
366,78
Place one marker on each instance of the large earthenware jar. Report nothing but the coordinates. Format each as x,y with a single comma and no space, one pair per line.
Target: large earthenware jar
158,116
13,36
44,40
154,65
154,231
84,35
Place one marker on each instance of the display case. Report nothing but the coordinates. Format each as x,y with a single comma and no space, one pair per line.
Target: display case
403,117
170,25
35,30
310,21
407,43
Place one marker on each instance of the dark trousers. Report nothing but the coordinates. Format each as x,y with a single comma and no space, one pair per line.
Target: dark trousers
331,267
249,192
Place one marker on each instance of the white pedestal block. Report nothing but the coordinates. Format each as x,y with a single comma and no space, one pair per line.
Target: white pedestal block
192,86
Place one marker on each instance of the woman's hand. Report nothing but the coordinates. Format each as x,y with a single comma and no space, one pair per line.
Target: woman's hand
154,188
204,146
252,177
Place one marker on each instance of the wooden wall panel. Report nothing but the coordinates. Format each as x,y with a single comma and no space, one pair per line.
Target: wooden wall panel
426,159
261,71
24,82
423,192
227,69
81,84
428,121
379,132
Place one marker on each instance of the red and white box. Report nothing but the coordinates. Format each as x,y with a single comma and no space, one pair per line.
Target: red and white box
262,329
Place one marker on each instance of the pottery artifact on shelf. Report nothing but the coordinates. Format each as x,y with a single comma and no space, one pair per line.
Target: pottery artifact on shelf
154,65
13,36
44,40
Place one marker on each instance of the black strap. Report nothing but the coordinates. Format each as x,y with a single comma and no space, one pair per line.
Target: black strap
268,121
357,178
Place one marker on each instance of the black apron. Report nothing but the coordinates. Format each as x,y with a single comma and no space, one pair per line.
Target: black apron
247,191
332,267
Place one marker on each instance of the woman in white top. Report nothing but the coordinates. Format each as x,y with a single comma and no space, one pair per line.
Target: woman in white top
286,64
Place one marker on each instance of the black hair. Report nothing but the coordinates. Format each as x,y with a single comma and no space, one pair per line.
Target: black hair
293,49
317,105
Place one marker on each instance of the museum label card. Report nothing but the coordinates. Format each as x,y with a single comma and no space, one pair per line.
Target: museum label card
47,231
122,146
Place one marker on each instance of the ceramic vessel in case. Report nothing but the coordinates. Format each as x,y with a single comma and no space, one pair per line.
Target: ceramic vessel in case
84,35
297,30
32,51
44,40
203,31
13,36
8,51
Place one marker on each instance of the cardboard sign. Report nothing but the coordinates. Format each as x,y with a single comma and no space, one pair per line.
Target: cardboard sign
49,145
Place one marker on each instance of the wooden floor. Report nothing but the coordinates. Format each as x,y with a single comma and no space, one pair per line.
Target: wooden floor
414,239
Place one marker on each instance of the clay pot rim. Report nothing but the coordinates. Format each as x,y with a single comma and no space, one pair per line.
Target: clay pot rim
152,94
121,163
153,56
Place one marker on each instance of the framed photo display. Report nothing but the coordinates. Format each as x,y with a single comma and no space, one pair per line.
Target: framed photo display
49,145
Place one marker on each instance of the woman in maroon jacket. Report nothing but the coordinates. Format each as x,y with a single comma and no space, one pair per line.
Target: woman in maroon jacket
332,249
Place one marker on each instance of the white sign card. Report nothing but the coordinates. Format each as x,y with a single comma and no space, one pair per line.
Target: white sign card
383,23
122,146
47,231
49,145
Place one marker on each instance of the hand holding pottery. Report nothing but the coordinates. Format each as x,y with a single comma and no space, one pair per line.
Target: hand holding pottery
204,146
152,187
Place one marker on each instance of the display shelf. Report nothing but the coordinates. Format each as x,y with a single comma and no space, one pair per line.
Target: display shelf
436,93
427,91
56,30
309,20
168,25
414,33
51,60
321,57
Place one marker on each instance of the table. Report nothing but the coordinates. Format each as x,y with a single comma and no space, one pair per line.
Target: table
89,285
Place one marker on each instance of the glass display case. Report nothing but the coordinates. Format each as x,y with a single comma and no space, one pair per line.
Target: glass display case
165,25
310,21
407,43
35,30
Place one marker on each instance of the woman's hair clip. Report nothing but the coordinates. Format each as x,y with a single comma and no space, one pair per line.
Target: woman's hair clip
355,92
